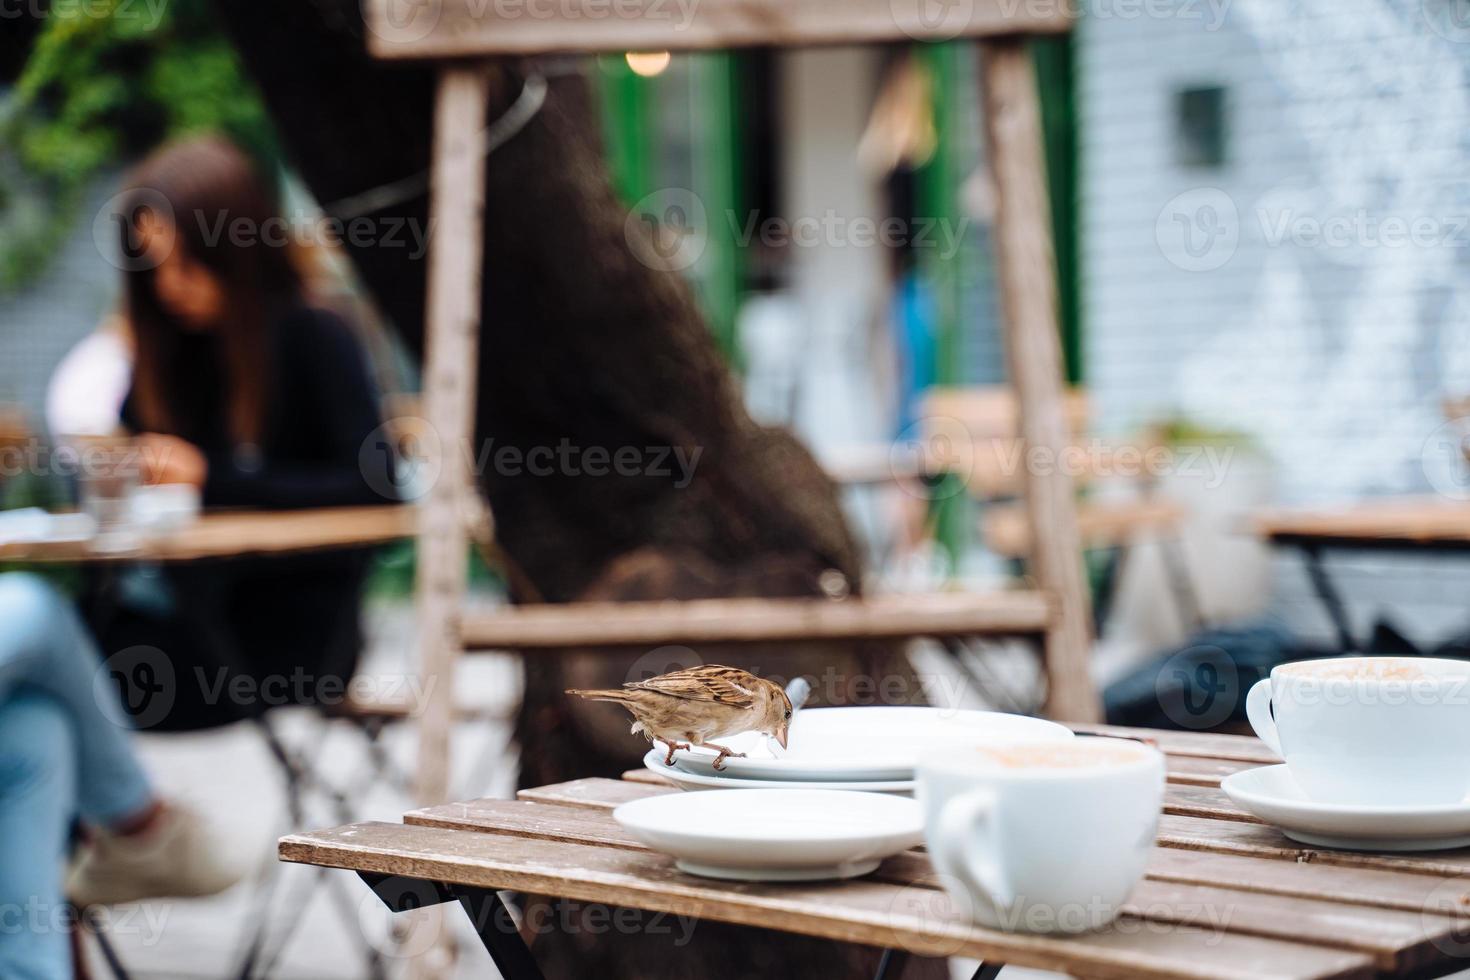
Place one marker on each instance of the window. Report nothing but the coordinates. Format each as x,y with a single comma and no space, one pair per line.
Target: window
1199,127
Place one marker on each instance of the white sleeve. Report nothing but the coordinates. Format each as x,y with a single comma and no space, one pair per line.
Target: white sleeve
86,392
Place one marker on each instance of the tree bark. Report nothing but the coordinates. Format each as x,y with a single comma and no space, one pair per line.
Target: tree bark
586,350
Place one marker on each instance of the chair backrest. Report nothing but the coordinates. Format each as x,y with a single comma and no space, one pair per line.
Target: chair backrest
987,418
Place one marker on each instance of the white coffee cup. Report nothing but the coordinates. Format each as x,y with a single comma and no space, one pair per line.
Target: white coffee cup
1380,731
1042,837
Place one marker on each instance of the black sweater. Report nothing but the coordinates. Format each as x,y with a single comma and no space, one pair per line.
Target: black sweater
321,444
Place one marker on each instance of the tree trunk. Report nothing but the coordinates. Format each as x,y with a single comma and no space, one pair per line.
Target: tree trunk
587,350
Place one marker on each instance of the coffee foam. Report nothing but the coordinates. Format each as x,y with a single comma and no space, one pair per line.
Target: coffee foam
1357,670
1062,755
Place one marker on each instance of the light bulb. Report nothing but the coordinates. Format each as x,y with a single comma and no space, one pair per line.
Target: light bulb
648,63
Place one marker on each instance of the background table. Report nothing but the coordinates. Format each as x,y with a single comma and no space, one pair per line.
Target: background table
1405,525
246,534
1225,896
233,534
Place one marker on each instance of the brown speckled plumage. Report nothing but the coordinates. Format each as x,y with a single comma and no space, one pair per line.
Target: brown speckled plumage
690,707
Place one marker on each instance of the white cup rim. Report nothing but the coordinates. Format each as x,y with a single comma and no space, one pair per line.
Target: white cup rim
1436,669
974,762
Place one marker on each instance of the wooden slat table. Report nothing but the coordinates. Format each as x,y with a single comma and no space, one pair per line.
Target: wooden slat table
234,534
1407,525
1224,896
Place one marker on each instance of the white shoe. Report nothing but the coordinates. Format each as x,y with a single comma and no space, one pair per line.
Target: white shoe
175,857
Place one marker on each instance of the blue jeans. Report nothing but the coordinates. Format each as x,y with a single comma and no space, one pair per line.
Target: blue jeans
65,751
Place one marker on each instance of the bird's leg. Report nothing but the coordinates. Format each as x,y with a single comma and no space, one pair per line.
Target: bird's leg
724,754
673,747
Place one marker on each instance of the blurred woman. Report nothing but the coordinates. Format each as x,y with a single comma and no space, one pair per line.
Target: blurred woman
244,389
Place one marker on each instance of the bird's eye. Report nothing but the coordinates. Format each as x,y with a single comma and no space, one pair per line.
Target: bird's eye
788,716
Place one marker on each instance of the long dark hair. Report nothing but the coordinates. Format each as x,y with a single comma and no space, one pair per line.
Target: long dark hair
206,186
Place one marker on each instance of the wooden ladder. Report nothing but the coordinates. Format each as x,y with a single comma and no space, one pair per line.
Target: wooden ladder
461,34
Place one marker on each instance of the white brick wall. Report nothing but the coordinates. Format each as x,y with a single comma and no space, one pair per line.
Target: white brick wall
40,322
1334,359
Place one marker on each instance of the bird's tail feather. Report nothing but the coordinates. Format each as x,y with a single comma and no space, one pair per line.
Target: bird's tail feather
600,695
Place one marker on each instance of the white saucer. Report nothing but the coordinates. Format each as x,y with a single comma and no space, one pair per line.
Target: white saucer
684,779
775,834
1271,794
878,742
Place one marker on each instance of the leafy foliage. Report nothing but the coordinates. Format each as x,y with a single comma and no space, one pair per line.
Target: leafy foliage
106,81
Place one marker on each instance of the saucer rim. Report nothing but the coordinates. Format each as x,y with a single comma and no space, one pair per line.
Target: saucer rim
824,872
905,820
1231,785
653,762
965,720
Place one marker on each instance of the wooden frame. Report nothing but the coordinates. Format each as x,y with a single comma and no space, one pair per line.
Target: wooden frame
1027,283
452,332
406,29
1034,355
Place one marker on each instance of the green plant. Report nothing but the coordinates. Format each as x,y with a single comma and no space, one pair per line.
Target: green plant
1180,430
105,82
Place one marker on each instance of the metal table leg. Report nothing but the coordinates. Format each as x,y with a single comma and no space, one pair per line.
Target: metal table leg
497,930
890,967
104,944
492,920
1331,599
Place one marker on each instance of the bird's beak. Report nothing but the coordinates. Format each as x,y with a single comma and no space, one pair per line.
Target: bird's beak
781,735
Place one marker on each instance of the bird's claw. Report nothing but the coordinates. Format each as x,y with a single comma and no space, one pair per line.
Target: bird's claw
719,764
673,747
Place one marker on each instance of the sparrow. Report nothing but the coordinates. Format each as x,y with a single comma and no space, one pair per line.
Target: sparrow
690,707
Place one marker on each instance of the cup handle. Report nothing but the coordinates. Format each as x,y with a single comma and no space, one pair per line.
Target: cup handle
978,869
1258,712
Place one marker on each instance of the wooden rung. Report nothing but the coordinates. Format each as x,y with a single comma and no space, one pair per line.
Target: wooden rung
991,467
878,463
757,620
470,28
